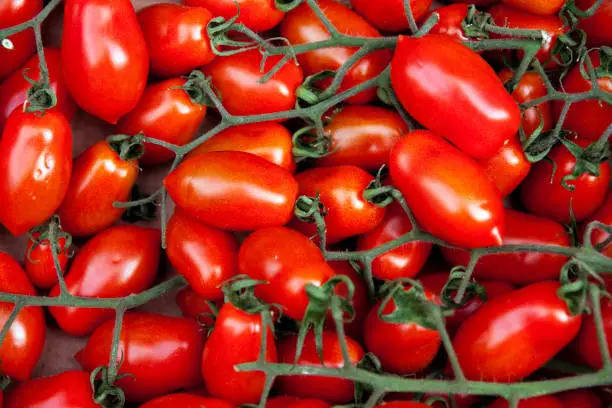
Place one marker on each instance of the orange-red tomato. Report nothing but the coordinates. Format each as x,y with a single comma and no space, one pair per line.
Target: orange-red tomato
258,15
508,167
13,12
587,342
187,401
39,264
390,15
540,7
195,306
449,22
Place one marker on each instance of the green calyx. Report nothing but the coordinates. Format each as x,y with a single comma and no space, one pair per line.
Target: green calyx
410,305
50,233
287,5
307,209
105,393
196,86
40,96
377,193
476,23
309,93
126,146
455,280
569,48
240,292
588,160
310,144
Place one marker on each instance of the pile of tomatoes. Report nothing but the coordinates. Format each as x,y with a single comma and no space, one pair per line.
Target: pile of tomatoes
308,264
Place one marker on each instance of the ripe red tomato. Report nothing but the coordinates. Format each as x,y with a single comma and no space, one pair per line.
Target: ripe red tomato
539,7
508,167
536,402
309,403
363,136
13,12
104,56
39,264
401,404
302,26
407,260
236,80
162,353
165,113
13,90
117,262
450,20
187,401
25,340
579,399
513,335
544,195
205,256
236,339
360,299
390,15
520,268
332,390
596,26
258,15
395,343
176,38
281,402
587,343
36,153
588,118
267,140
604,215
478,3
479,128
195,306
68,389
249,192
463,208
85,211
340,189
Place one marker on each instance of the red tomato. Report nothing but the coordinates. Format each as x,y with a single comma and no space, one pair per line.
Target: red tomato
205,256
267,140
513,335
187,401
340,189
401,404
508,167
104,56
536,402
597,26
281,402
236,80
165,113
604,215
258,15
176,38
14,89
478,3
194,306
249,192
360,300
13,12
579,399
539,7
25,340
363,136
390,15
450,20
310,403
587,343
36,153
463,208
511,17
84,210
117,262
488,115
588,118
69,389
302,26
236,339
544,195
332,390
39,264
162,353
520,268
407,260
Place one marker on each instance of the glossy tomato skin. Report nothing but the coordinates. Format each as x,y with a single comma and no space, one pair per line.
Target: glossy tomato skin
205,256
579,399
117,262
13,12
257,15
468,211
596,26
513,335
268,140
362,136
70,389
539,7
309,403
187,401
340,189
36,153
402,348
405,261
161,352
236,339
520,268
194,306
478,3
360,300
39,264
508,167
250,193
301,26
25,339
450,20
488,115
85,211
165,113
281,402
13,90
390,15
332,390
236,79
536,402
112,50
603,215
544,195
587,343
176,38
589,118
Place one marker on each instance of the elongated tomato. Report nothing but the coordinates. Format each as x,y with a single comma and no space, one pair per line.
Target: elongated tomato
258,15
508,167
39,264
187,401
437,74
597,26
390,15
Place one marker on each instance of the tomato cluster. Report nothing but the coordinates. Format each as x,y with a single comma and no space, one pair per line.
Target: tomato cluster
330,250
